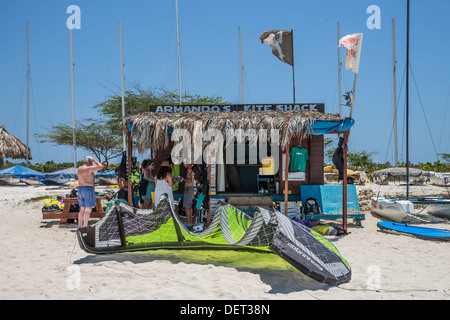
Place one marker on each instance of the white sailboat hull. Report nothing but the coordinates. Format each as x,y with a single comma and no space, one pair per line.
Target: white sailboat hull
441,209
9,180
31,182
391,209
440,178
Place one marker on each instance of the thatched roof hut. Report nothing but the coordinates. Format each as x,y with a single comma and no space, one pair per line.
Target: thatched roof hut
151,129
11,147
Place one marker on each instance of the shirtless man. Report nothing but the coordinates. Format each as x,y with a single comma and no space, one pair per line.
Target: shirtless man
86,192
188,193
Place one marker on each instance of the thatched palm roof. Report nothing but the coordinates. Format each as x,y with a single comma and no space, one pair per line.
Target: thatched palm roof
11,147
151,129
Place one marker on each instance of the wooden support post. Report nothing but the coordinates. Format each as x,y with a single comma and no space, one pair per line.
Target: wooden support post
130,153
344,184
208,216
286,184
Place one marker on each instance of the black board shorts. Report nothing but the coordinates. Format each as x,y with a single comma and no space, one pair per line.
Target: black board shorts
188,196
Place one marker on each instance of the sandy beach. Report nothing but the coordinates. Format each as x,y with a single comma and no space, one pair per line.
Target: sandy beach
41,259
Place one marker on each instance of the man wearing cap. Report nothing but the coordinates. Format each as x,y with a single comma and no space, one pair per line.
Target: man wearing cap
86,191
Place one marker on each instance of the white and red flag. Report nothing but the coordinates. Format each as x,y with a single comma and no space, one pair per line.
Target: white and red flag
353,43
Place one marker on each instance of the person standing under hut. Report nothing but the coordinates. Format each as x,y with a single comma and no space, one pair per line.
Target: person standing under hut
164,182
188,195
149,176
86,191
143,184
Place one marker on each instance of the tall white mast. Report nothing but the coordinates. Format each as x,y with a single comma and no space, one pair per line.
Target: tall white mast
122,80
178,45
407,97
73,101
394,63
241,67
28,89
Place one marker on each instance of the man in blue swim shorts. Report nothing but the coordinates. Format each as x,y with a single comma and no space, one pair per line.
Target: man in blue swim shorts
86,191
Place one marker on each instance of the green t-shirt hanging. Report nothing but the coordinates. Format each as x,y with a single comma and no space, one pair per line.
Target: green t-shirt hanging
175,174
299,156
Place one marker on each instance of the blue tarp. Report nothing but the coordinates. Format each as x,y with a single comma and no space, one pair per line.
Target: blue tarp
106,174
70,173
20,171
323,126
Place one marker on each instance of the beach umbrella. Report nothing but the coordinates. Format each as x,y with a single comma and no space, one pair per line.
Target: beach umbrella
11,147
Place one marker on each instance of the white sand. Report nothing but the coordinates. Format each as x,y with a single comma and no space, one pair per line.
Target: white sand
41,259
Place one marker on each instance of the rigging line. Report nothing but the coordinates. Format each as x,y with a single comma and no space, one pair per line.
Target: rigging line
34,114
392,84
126,84
246,85
169,48
389,144
398,102
73,249
403,131
23,80
402,154
390,136
335,94
448,143
388,290
184,78
443,120
109,61
238,94
69,91
295,281
20,105
390,77
393,123
423,110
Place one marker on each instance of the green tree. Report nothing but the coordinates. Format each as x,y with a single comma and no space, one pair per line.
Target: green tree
329,149
91,135
445,157
360,159
103,137
138,100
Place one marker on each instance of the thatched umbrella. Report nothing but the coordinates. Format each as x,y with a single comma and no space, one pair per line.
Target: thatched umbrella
11,147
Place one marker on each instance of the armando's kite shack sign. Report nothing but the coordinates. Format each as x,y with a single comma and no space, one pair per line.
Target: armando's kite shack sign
318,107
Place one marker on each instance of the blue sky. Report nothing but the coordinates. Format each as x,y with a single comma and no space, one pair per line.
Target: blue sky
210,62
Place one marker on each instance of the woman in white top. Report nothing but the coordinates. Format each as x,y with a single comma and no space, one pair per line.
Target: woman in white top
164,184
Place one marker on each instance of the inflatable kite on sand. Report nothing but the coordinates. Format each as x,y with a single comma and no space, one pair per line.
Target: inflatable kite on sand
126,229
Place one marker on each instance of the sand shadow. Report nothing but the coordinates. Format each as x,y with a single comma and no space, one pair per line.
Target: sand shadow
72,224
272,270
